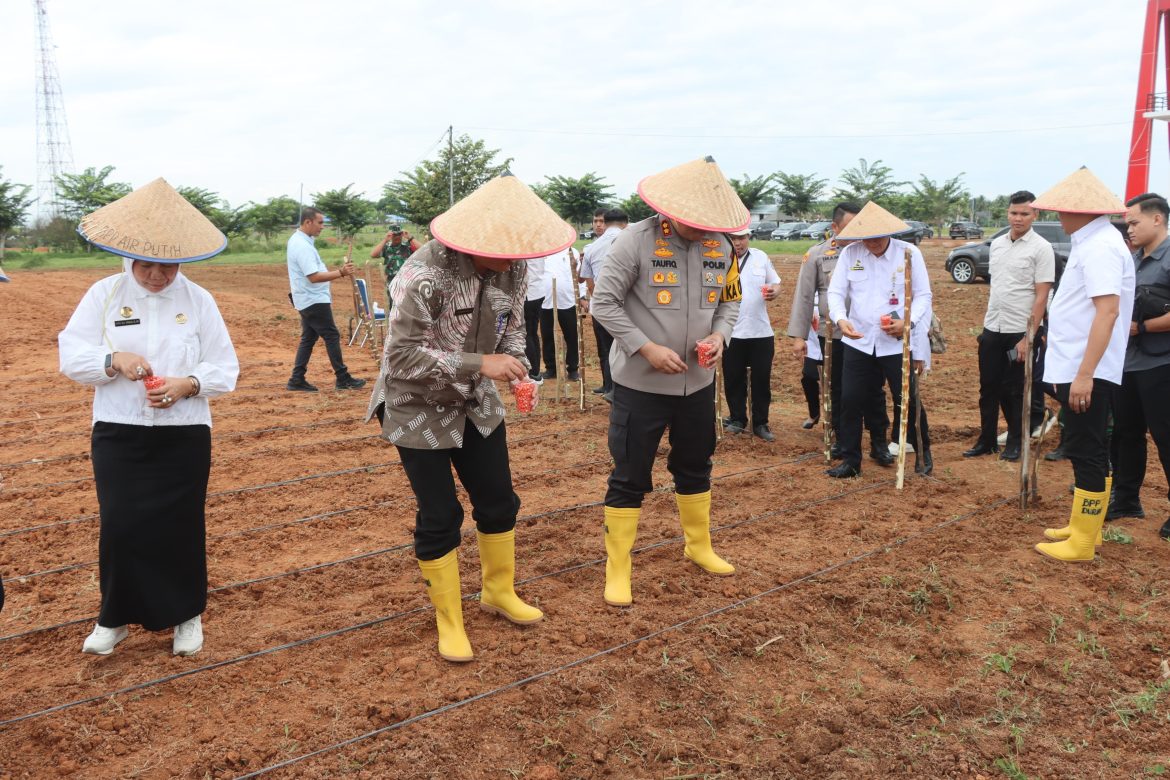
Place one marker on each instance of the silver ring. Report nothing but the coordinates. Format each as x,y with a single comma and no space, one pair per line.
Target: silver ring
166,399
140,371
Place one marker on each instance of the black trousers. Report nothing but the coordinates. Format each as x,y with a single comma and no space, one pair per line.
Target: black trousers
604,345
1001,386
742,356
810,383
861,374
532,333
317,322
1141,406
877,421
482,466
1086,436
568,321
636,424
151,489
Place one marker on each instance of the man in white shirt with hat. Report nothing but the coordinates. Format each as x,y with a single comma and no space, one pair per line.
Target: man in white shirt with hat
1088,327
753,342
870,275
668,289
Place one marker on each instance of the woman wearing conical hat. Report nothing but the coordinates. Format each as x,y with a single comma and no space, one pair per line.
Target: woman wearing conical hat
866,303
456,327
669,288
154,347
1088,327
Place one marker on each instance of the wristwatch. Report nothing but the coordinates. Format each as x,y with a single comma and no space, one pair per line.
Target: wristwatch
109,360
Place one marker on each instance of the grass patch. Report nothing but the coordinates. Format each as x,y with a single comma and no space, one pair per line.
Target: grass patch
1117,534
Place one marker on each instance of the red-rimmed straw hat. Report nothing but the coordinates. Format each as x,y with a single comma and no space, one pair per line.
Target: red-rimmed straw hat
696,194
1080,193
153,223
503,219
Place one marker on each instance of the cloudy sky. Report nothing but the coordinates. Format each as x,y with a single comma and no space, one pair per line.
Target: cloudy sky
253,98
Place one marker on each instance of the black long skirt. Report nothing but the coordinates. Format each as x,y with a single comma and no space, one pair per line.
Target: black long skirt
152,556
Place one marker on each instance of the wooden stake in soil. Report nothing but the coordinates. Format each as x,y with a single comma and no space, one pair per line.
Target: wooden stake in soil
827,392
580,315
902,423
1026,418
558,345
1033,483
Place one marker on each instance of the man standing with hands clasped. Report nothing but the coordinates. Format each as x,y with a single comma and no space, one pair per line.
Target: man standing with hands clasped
1088,325
669,295
313,298
1145,384
1022,267
753,342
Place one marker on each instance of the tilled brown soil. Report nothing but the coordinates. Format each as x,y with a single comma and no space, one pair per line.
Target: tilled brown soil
866,633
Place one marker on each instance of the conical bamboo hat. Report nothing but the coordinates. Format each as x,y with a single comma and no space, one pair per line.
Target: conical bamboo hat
153,223
872,222
1080,193
503,219
698,195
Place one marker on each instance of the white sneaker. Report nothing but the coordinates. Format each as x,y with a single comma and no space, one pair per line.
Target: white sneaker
1002,438
894,448
188,637
103,640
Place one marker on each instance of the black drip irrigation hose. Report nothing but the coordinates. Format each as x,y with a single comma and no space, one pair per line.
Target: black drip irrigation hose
415,610
515,684
408,545
252,488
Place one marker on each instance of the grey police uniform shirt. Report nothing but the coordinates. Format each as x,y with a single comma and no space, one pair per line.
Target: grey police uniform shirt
815,271
1150,350
656,286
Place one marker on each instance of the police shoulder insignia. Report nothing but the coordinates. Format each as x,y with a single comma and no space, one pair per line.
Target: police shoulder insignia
719,279
713,254
664,297
708,277
663,252
805,259
830,252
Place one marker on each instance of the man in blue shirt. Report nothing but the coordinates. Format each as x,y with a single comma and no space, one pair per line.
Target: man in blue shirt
311,295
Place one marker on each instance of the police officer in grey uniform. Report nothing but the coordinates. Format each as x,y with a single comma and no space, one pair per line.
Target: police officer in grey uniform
668,287
813,281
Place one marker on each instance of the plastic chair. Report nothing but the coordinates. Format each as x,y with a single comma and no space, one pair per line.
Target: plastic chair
369,319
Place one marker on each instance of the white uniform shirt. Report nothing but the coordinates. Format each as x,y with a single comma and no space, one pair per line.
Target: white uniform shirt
1016,267
755,271
180,333
875,286
1099,264
557,267
534,278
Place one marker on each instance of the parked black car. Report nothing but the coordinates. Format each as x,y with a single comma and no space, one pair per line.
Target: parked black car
788,231
913,235
763,229
588,234
966,230
924,230
970,261
816,231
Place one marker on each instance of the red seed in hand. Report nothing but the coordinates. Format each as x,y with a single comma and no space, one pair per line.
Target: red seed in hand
887,320
525,393
706,353
154,382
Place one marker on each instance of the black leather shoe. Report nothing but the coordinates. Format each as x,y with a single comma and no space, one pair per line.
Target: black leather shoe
843,471
1056,454
302,386
810,423
599,390
881,453
549,375
923,463
983,449
1120,509
1010,452
350,383
835,451
763,432
573,376
1165,531
733,426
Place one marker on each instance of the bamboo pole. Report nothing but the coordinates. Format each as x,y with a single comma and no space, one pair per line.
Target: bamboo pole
904,421
827,392
558,345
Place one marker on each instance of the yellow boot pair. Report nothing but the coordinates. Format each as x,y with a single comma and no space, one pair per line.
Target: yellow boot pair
1084,526
1060,534
497,553
621,529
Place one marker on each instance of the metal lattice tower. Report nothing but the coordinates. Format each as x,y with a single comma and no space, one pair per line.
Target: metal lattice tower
54,151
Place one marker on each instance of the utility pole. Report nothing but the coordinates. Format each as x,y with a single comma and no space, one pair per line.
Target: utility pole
451,165
54,152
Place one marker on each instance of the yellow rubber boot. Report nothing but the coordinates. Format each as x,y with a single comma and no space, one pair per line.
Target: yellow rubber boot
1087,518
621,529
442,580
1060,534
497,558
694,511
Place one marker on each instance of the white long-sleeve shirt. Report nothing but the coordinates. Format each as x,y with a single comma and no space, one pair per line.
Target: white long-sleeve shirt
179,331
557,267
875,286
